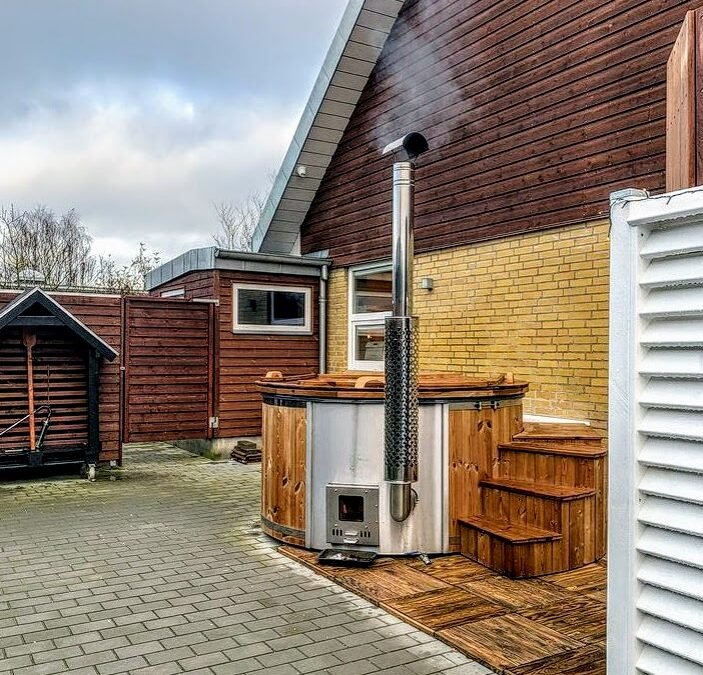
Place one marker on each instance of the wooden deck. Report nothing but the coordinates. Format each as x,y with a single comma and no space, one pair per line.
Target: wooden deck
554,625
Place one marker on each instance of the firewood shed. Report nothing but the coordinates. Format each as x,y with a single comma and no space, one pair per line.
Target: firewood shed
49,385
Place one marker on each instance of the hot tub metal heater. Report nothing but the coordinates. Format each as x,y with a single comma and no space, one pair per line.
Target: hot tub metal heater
401,349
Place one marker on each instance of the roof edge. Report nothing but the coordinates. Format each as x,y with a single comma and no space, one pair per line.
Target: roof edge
213,258
17,306
353,54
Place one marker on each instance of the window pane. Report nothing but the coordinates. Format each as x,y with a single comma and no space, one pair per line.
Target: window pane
373,293
369,343
270,308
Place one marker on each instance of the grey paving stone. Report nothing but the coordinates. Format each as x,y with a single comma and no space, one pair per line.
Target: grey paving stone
122,666
173,580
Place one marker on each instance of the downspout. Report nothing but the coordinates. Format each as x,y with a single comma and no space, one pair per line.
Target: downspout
324,276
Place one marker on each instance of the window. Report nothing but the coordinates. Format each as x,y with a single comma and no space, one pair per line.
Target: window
271,309
175,293
370,302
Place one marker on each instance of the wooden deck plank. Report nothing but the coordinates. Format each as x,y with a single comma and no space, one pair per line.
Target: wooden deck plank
587,661
519,594
554,625
510,640
389,582
453,569
582,619
444,608
589,579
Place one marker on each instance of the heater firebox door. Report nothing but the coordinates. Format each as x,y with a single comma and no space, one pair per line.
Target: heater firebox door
352,515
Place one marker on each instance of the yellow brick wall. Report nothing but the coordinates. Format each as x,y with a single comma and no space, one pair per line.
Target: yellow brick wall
535,304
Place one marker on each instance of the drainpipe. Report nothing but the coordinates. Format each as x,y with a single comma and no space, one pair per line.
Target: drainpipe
401,350
324,276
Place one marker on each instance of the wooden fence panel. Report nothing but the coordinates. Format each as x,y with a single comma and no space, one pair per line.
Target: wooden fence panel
681,154
168,364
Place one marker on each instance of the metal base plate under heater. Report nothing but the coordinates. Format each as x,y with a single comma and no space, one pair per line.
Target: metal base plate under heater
341,557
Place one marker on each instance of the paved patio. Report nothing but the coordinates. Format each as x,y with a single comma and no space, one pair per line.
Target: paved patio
165,571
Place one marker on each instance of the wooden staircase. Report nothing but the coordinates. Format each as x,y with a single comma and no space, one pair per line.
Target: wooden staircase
542,508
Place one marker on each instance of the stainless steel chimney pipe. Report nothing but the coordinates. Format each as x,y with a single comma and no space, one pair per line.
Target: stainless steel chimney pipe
401,409
401,358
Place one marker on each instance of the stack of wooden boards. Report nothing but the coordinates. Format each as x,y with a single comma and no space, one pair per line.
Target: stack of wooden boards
246,452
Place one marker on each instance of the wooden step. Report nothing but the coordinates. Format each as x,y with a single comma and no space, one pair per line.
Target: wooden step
540,432
513,534
557,492
580,451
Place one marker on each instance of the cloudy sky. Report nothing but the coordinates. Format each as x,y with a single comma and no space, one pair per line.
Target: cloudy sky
142,113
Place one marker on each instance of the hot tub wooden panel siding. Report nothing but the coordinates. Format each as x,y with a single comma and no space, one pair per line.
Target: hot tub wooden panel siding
535,113
283,461
244,358
103,315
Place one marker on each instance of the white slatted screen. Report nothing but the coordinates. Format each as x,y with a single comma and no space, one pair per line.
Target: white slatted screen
655,585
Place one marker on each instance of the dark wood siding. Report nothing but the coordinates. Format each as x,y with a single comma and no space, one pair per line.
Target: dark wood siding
66,378
243,359
535,111
197,285
168,358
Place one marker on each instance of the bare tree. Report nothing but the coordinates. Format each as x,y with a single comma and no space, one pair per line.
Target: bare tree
129,278
238,220
54,249
36,246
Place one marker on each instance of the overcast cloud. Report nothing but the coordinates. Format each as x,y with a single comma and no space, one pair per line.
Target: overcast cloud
142,113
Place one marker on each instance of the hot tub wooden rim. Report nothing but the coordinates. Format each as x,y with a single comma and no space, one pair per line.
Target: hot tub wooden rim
300,399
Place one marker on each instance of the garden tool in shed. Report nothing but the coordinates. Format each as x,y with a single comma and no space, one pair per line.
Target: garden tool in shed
29,339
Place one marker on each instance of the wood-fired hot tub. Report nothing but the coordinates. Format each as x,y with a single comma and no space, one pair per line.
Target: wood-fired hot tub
323,458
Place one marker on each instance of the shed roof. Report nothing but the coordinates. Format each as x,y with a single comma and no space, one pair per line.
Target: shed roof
355,49
213,258
17,311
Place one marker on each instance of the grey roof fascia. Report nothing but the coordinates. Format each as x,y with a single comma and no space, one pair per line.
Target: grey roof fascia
191,261
212,258
365,24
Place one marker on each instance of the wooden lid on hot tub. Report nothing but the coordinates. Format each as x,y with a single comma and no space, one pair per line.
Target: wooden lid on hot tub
366,385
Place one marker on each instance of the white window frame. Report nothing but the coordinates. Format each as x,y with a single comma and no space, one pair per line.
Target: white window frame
305,329
360,320
174,293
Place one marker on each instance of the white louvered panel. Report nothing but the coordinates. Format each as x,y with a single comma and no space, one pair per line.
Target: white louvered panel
671,638
674,516
686,487
673,302
674,272
655,592
673,333
670,241
679,394
653,661
678,609
672,424
677,363
673,454
672,576
673,546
